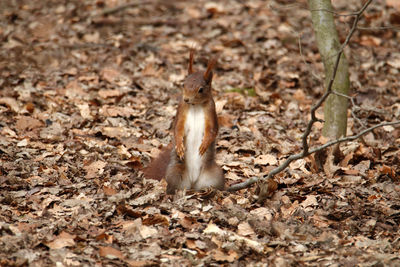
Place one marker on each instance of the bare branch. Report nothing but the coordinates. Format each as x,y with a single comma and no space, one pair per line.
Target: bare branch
301,155
306,151
390,27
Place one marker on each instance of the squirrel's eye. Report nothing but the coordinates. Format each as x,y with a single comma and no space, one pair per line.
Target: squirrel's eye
201,89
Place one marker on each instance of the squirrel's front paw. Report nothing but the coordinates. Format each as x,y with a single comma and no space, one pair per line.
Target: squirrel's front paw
180,150
202,149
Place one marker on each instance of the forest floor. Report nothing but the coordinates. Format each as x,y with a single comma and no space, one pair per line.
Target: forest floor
88,92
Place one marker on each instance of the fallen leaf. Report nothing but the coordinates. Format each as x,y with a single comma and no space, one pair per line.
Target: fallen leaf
64,239
25,123
113,111
10,103
311,200
94,169
147,231
109,93
245,229
115,132
111,253
263,213
109,191
109,74
22,143
388,171
85,111
219,255
266,159
393,3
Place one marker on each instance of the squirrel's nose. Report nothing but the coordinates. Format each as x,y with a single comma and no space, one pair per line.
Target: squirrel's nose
186,100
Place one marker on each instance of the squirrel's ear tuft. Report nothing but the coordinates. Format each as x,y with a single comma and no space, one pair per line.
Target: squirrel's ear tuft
190,68
208,74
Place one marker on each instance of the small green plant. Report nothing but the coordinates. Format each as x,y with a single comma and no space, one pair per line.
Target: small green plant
243,91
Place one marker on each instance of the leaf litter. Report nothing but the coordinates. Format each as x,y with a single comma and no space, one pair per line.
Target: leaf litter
86,100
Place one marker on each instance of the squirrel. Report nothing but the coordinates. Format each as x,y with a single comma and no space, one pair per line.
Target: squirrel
189,161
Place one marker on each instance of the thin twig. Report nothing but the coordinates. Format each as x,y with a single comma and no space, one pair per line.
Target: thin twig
391,27
354,107
112,10
304,60
306,151
335,13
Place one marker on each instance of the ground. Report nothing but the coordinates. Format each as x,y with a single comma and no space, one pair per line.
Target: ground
88,91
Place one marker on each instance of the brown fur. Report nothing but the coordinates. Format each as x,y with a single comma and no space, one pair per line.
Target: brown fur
158,166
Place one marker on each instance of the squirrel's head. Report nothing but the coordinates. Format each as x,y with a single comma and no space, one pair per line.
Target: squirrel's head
197,86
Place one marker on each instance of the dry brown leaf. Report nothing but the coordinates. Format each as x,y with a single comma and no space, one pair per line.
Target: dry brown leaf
94,169
267,189
188,222
11,103
329,167
109,74
132,226
92,37
263,213
245,229
22,143
225,120
193,12
319,221
147,231
311,200
25,123
158,190
232,176
300,96
214,8
74,89
156,219
231,256
214,229
113,76
363,166
106,93
394,3
266,159
124,153
190,243
115,132
369,40
109,191
113,111
149,70
64,239
141,263
345,161
388,171
111,253
105,238
287,212
219,105
52,132
85,111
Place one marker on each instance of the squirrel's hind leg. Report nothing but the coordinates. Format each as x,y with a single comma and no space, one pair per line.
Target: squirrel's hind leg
211,177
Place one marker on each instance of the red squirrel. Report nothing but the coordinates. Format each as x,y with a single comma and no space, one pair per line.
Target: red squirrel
189,161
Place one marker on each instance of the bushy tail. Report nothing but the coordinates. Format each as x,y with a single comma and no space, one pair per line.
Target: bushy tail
158,166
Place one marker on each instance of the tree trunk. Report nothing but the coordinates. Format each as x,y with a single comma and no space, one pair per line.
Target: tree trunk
335,107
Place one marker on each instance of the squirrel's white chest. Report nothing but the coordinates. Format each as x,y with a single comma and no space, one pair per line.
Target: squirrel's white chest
194,132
